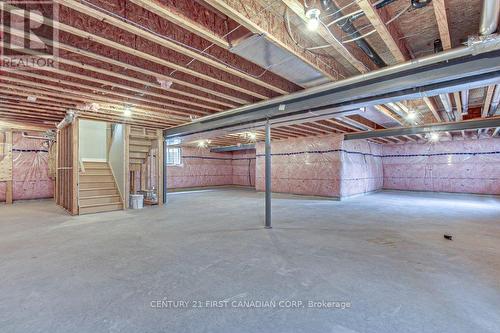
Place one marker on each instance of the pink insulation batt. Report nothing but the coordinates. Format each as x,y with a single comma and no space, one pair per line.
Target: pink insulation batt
30,170
307,166
362,169
244,168
446,166
201,168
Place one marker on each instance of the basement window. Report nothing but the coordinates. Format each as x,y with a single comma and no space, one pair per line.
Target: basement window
174,156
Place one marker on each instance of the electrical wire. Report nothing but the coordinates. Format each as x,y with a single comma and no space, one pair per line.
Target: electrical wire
398,15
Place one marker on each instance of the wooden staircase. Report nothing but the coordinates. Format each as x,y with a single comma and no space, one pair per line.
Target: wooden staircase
98,191
141,142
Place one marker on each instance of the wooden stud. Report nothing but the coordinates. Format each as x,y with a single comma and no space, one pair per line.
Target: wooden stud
9,190
160,167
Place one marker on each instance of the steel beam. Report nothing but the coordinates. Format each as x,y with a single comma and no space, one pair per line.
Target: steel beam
268,175
457,69
232,148
438,127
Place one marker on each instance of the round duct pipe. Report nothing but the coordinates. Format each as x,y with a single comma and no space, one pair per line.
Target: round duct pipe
489,17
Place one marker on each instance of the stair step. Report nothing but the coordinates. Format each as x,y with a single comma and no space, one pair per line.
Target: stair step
136,161
84,177
139,142
96,184
142,136
99,199
139,149
95,164
100,191
99,208
97,171
138,155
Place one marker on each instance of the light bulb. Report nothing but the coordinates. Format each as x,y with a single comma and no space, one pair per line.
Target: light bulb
434,137
313,24
411,116
313,18
127,112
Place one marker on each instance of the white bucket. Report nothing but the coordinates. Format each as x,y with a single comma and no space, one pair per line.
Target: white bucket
136,201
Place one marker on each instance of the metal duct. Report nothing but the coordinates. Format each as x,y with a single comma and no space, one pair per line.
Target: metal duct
465,101
448,107
495,101
489,17
68,119
346,25
378,117
261,51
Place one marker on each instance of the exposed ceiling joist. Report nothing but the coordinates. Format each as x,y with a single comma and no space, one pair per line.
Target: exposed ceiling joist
384,31
257,18
155,38
442,22
176,18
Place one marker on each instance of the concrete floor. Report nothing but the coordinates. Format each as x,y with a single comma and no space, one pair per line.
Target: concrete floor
384,253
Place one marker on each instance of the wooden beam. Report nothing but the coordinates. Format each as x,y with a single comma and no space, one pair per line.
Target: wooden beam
89,97
159,167
120,47
389,40
442,22
155,38
432,106
124,65
386,111
186,110
75,166
487,100
186,23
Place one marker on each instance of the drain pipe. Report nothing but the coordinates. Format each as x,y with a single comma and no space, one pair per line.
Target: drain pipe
489,17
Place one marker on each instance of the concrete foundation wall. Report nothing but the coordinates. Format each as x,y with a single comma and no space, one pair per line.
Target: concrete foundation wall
466,166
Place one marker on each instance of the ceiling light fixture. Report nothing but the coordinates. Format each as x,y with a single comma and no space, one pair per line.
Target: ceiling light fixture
127,112
411,116
434,137
203,143
313,19
252,136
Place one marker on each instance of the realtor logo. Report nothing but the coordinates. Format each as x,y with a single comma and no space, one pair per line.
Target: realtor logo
28,34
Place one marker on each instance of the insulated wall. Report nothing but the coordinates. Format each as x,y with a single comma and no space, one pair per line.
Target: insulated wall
199,168
362,169
307,166
30,169
244,168
466,166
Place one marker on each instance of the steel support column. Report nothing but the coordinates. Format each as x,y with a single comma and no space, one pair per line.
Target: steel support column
268,175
